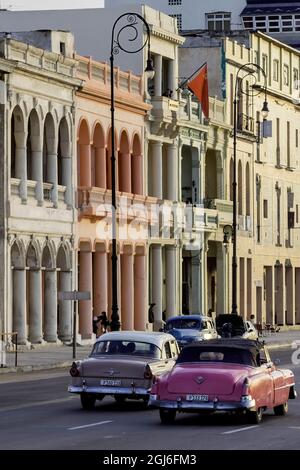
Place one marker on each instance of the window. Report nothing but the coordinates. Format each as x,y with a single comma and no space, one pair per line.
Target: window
175,2
168,350
218,21
265,208
179,21
297,214
62,48
286,72
287,23
296,79
265,63
275,70
248,22
274,24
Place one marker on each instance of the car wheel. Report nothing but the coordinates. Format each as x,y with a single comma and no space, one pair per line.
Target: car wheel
87,401
120,399
167,416
255,417
281,410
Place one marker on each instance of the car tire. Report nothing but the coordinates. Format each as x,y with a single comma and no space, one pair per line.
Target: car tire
120,399
255,417
87,401
167,416
281,410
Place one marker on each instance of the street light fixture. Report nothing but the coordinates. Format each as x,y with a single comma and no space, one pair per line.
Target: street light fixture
249,69
131,23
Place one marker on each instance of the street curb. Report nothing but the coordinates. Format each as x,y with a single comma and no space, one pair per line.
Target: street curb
279,345
32,368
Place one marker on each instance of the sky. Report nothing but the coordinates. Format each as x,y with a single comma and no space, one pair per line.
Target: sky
49,4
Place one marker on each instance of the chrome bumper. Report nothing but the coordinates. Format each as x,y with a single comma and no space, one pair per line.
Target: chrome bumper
109,390
215,405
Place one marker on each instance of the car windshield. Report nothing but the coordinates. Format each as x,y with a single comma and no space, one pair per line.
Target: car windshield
127,348
183,324
217,354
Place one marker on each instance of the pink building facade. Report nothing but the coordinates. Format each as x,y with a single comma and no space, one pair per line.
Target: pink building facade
93,240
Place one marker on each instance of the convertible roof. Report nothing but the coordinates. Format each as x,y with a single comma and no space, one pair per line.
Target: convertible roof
237,343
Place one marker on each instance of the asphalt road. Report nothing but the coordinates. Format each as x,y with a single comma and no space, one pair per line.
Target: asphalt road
36,412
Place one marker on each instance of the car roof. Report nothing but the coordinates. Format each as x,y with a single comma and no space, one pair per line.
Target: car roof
189,317
237,343
156,338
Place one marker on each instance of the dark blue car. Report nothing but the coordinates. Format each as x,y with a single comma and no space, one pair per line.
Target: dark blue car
189,328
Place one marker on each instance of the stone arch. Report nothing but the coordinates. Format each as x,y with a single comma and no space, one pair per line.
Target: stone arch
137,165
98,159
33,146
48,256
63,257
84,153
49,149
108,158
240,188
33,255
124,163
63,153
18,141
247,189
17,254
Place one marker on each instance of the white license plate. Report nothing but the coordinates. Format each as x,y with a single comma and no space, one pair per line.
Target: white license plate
197,397
110,382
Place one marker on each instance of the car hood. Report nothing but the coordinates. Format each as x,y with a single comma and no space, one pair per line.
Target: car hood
181,334
118,366
206,379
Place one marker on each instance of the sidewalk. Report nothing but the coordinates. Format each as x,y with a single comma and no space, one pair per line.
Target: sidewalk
53,357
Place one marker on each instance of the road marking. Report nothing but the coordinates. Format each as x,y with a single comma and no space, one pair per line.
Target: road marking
239,430
294,427
89,425
40,403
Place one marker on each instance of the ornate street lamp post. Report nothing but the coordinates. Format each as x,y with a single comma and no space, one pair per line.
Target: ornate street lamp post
126,23
249,69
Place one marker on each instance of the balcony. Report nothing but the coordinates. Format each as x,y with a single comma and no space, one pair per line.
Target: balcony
190,110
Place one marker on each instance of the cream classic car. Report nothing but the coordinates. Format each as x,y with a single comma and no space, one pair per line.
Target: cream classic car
123,364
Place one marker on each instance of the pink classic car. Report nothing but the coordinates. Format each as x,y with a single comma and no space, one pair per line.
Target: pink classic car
233,375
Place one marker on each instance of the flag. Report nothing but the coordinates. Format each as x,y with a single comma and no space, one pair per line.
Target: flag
199,86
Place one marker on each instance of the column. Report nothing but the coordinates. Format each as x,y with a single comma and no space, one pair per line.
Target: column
269,295
100,170
140,286
125,172
158,75
85,284
100,283
290,306
157,169
172,76
172,172
242,292
297,296
196,284
35,306
203,254
85,165
50,306
109,285
249,287
21,162
279,298
52,175
19,304
157,285
171,281
221,279
127,291
137,174
66,163
65,308
37,167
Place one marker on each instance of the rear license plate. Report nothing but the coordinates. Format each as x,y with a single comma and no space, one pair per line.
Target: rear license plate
197,397
110,382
